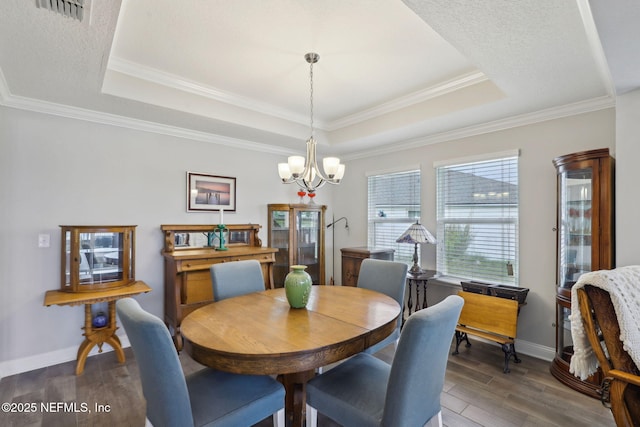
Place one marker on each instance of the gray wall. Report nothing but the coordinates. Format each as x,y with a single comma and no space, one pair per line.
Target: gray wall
56,170
627,178
538,145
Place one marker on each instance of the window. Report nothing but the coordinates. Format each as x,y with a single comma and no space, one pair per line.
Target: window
394,204
477,215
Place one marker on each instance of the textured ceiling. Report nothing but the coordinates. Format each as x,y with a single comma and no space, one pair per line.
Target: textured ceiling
391,73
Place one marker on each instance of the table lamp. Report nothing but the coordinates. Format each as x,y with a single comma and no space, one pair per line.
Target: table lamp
415,234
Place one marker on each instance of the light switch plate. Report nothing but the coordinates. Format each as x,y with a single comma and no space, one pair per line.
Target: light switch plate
44,240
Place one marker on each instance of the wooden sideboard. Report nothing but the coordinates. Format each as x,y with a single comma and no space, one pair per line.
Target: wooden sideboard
187,258
352,258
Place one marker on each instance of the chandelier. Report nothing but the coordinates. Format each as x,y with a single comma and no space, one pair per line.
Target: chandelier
305,172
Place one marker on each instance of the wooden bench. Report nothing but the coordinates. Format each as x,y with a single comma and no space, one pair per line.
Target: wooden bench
491,318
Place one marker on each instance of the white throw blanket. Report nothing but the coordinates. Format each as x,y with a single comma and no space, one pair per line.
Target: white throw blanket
623,285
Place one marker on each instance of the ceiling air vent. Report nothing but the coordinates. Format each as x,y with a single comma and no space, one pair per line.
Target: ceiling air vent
71,8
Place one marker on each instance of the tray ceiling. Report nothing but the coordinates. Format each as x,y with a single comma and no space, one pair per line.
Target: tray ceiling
390,72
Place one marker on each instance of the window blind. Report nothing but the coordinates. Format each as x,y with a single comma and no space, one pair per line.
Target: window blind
477,217
393,205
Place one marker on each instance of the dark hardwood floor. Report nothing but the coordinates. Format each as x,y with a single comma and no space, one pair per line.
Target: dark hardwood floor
476,393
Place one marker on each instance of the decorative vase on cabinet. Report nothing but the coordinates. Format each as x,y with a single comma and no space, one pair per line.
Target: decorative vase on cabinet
585,242
297,230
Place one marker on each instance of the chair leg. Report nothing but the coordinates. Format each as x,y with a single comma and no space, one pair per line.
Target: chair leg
312,416
461,336
435,421
509,350
278,418
515,355
618,407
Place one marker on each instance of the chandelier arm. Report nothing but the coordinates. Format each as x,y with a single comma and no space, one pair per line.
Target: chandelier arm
313,159
291,180
301,184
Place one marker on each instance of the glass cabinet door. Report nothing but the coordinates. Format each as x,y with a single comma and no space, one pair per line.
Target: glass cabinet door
575,221
97,257
308,242
297,230
279,237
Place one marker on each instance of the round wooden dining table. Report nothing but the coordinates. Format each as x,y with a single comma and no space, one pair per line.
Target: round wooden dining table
259,333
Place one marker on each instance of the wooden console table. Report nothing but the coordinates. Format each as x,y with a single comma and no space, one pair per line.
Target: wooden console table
96,336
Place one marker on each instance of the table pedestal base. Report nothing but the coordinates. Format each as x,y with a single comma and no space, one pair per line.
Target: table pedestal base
98,336
295,404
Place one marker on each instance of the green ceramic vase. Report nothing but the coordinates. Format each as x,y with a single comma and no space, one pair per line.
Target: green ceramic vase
297,286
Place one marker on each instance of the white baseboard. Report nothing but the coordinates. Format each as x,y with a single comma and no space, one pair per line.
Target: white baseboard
525,347
29,363
535,350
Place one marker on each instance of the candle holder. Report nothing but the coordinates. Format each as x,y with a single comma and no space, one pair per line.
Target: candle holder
221,229
301,194
211,236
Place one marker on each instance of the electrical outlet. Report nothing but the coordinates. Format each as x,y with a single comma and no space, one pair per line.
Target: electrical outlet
44,240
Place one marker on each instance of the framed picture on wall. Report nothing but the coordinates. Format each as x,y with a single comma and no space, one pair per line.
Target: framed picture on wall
210,193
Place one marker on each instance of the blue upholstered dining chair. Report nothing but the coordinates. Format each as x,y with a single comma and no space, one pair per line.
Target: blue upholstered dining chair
365,391
204,398
230,279
387,277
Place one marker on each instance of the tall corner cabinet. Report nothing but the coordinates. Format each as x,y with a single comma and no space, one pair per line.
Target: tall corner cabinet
297,230
585,242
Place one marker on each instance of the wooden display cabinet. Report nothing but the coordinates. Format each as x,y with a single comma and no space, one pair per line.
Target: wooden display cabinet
189,251
297,230
585,242
97,257
352,258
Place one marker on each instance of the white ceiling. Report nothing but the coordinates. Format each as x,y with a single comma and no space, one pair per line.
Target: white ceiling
391,73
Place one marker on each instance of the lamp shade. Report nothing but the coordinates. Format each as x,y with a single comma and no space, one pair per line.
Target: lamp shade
416,233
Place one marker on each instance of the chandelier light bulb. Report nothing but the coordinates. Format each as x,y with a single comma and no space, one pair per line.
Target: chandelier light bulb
330,165
296,165
284,171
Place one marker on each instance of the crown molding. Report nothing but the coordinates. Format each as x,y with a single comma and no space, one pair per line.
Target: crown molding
573,109
51,108
9,100
597,52
173,81
435,91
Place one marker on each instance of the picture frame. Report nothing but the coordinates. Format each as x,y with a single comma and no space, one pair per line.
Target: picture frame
208,193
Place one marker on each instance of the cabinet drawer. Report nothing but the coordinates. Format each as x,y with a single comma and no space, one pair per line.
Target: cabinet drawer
261,258
204,264
197,287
